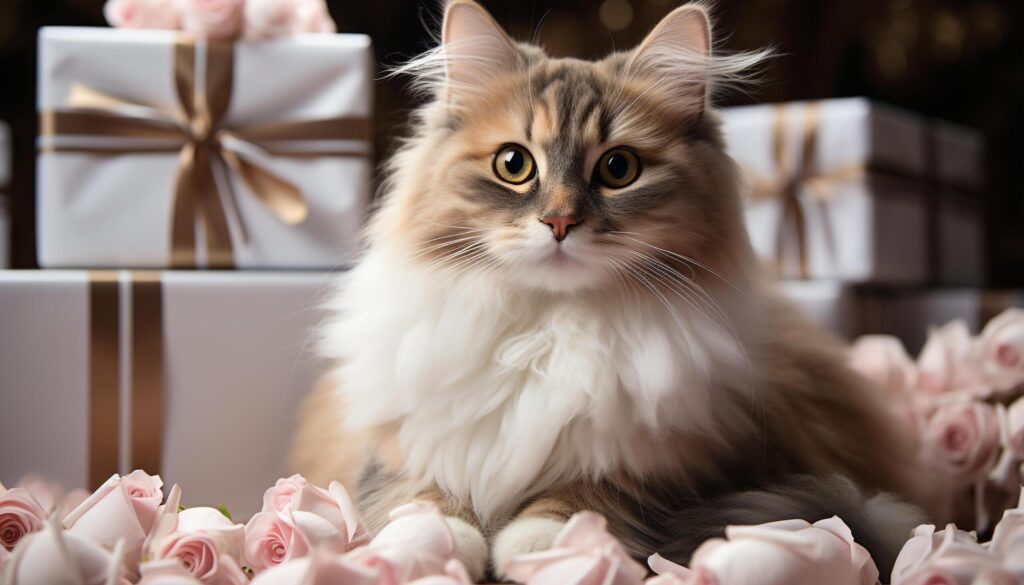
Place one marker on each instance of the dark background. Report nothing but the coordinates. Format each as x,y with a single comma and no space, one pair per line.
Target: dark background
957,60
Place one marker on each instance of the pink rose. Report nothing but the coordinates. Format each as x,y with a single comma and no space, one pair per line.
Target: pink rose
944,364
951,557
202,540
122,508
883,360
416,543
55,557
298,516
200,555
320,568
582,553
270,540
280,18
159,14
961,441
212,19
790,552
1002,350
20,515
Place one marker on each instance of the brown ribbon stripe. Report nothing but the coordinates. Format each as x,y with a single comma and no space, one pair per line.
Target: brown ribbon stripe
198,133
104,376
147,371
147,368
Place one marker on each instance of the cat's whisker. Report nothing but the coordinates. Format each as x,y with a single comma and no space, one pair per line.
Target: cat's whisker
468,256
650,266
460,252
654,290
447,243
693,291
454,227
682,258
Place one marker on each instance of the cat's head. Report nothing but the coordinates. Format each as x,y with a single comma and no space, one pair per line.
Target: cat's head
565,175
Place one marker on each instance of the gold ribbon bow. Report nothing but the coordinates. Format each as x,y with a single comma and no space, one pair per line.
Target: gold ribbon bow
197,132
787,185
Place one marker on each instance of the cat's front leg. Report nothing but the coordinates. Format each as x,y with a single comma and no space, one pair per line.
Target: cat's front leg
470,545
532,530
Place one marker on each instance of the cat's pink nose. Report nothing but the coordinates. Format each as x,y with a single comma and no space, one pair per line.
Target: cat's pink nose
559,224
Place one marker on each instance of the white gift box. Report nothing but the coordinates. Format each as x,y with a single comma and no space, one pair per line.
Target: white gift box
257,156
830,195
959,237
195,375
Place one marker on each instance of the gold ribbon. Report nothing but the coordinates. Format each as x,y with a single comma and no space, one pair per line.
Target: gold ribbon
788,184
104,376
198,133
147,371
147,378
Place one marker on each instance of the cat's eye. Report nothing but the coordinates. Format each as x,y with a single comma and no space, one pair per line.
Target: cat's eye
618,168
514,164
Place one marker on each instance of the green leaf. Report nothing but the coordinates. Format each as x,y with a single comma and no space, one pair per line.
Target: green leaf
181,508
223,510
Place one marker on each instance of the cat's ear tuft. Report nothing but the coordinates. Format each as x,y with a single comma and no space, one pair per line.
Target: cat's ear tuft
475,48
677,55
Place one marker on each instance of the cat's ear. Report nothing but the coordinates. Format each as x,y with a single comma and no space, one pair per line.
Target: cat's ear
677,56
475,47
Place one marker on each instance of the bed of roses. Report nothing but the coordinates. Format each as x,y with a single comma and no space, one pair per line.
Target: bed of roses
960,402
129,531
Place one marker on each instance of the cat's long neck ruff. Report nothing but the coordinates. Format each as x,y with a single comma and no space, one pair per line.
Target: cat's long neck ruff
501,392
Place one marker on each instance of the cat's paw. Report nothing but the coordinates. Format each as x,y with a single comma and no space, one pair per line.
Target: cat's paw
522,536
470,547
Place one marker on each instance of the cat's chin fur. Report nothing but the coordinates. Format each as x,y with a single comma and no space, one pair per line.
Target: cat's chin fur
500,391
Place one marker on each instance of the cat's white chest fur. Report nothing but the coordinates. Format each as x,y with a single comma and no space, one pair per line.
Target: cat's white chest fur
499,395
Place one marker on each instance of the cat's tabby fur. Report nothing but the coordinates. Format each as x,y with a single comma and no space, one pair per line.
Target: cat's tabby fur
642,367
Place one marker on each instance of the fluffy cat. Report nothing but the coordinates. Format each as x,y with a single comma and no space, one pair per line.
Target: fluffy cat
558,309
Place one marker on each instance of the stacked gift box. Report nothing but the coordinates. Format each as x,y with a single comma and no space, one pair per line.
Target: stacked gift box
869,215
252,157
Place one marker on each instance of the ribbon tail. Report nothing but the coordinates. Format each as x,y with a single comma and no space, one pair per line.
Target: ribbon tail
283,198
219,252
183,217
792,222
